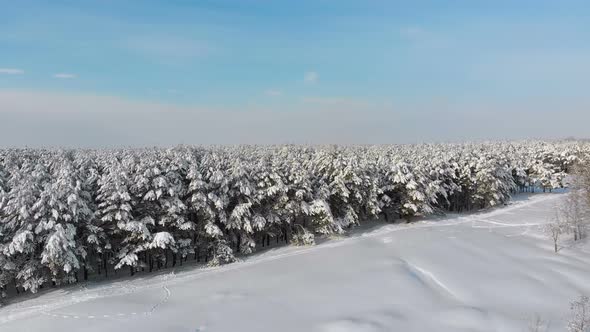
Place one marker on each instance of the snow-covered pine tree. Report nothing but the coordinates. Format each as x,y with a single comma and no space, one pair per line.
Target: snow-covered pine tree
59,211
199,211
129,235
19,243
215,165
93,238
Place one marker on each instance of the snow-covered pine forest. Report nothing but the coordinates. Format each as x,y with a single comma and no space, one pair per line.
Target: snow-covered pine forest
68,214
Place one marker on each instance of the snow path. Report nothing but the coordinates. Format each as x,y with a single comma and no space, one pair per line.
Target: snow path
483,271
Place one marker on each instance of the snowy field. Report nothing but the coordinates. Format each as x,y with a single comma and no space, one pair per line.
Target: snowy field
490,271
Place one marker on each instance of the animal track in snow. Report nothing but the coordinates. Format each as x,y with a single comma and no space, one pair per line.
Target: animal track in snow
152,309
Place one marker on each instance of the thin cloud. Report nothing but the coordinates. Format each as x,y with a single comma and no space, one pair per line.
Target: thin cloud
335,101
11,71
80,120
311,77
411,32
424,38
273,92
65,75
325,100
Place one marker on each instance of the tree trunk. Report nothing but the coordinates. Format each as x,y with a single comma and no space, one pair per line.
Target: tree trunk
106,267
238,240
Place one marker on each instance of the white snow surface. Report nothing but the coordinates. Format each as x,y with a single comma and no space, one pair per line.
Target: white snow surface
488,271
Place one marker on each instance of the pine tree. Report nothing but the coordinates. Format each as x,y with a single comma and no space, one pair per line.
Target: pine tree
20,245
129,236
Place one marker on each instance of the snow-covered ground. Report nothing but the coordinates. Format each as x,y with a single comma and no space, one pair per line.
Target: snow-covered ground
490,271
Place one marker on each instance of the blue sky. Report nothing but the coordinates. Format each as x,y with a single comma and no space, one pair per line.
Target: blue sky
394,69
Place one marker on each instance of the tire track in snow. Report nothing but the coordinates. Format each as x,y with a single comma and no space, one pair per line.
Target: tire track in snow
430,276
525,232
502,225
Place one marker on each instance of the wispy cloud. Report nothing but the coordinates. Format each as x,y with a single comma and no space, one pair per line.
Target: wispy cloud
64,75
11,71
168,48
273,92
311,77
